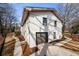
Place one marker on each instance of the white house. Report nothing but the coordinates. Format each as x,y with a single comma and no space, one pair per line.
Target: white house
41,25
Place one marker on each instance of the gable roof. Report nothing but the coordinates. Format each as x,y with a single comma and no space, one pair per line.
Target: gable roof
27,10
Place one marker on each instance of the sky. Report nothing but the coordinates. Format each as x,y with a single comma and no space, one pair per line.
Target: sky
19,7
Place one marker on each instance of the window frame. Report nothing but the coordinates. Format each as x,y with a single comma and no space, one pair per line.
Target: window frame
40,35
44,21
54,35
55,23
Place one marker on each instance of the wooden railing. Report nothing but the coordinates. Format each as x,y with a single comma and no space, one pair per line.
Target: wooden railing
75,37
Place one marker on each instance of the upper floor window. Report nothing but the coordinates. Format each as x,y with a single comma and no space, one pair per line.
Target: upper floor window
44,21
55,23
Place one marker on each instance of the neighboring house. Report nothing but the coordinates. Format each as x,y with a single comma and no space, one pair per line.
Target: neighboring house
41,25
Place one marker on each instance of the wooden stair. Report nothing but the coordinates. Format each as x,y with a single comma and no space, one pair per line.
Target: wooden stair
72,45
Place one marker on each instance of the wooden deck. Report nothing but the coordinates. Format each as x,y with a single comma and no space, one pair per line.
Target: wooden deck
71,45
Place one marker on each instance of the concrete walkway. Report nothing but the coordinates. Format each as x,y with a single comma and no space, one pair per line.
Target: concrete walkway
54,50
18,48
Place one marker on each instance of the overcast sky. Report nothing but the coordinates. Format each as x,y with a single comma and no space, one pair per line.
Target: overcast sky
19,7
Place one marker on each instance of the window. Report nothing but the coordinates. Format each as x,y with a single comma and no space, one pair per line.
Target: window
55,23
54,35
41,37
44,21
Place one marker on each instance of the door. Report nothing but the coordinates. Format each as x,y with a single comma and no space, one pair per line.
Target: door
41,37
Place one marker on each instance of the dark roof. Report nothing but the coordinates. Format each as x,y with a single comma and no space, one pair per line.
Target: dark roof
38,9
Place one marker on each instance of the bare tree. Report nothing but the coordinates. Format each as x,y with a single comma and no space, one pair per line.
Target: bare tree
7,18
69,12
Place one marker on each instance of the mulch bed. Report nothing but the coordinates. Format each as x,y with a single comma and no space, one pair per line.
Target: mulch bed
25,47
27,50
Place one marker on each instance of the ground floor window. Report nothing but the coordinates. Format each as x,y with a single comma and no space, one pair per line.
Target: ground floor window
41,37
54,35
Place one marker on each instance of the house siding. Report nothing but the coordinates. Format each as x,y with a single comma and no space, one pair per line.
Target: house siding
34,24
